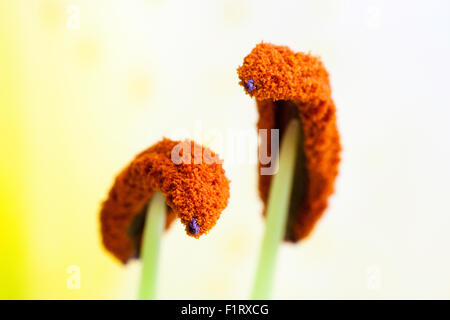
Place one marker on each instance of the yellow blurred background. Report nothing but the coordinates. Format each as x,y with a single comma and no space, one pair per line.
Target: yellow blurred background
87,84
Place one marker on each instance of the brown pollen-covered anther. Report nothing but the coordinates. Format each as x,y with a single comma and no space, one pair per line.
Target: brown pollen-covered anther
288,85
196,191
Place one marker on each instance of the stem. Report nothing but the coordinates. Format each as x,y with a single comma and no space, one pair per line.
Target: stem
153,229
277,211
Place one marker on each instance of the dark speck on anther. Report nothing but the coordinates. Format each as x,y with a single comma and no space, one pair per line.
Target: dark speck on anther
194,228
250,85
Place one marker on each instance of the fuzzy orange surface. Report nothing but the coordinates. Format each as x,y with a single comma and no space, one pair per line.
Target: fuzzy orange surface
288,85
193,190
